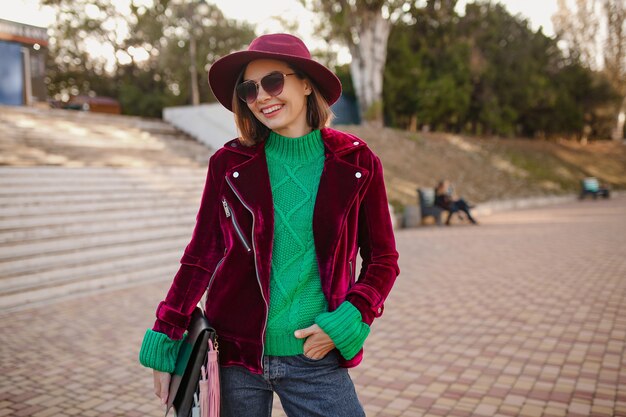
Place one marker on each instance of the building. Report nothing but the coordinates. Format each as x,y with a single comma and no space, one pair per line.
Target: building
23,49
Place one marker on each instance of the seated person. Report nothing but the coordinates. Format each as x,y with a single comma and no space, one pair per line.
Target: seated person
591,185
445,198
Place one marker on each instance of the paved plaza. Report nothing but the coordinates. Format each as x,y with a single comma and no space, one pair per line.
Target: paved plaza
524,315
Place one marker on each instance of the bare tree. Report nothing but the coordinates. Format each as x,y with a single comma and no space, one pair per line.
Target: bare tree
363,26
594,31
615,57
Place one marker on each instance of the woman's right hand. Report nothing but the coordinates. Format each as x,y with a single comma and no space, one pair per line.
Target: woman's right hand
161,385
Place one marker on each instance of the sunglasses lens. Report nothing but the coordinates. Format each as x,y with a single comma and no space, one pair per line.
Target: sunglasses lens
247,91
273,83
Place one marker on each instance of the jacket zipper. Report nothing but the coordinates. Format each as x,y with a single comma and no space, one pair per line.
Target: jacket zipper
231,214
208,288
256,269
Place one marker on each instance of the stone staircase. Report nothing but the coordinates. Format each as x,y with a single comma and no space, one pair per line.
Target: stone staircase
91,202
36,137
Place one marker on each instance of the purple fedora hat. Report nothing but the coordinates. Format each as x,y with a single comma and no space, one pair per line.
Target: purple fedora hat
224,72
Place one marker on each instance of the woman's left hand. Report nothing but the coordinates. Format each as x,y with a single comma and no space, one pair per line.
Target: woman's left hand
317,343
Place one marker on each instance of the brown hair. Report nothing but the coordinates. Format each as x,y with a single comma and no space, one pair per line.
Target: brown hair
252,131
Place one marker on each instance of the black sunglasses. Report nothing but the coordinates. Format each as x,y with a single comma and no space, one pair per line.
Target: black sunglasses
272,83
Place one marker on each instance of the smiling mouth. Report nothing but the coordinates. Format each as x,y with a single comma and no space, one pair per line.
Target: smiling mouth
271,110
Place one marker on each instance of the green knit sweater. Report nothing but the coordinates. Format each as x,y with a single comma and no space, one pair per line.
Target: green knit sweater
296,299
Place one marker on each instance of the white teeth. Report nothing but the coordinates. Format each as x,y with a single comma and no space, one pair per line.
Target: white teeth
271,109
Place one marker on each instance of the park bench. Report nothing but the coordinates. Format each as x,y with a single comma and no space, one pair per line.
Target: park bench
426,197
591,186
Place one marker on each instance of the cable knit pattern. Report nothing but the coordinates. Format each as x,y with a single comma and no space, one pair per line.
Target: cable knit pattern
295,167
159,352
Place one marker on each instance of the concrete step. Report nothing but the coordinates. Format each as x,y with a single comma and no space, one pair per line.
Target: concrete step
91,201
67,127
116,138
8,193
47,137
18,179
32,200
60,245
158,269
52,232
103,203
28,118
68,268
11,224
46,264
149,201
94,137
10,174
124,140
93,171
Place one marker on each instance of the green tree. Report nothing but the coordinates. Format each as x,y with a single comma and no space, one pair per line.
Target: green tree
579,104
184,38
487,72
427,82
154,65
79,26
510,68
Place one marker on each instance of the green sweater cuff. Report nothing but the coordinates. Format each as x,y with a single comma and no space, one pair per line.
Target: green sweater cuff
346,329
159,352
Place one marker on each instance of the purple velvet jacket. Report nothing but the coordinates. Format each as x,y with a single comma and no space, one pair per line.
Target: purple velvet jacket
230,252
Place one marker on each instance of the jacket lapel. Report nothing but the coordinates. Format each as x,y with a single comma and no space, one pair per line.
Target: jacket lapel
251,182
338,190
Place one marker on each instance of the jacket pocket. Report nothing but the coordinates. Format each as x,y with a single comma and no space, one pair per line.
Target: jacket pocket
231,214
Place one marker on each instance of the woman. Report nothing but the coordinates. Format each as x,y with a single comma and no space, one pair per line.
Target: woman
284,211
445,199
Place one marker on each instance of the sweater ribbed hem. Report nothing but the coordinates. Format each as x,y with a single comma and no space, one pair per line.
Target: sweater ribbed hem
346,329
283,344
295,150
159,352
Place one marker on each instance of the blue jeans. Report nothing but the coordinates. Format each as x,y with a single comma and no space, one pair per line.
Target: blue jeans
306,388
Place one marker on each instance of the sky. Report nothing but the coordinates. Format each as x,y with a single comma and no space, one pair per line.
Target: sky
260,13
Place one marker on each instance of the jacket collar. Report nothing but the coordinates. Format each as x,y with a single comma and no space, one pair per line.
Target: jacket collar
340,183
335,142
